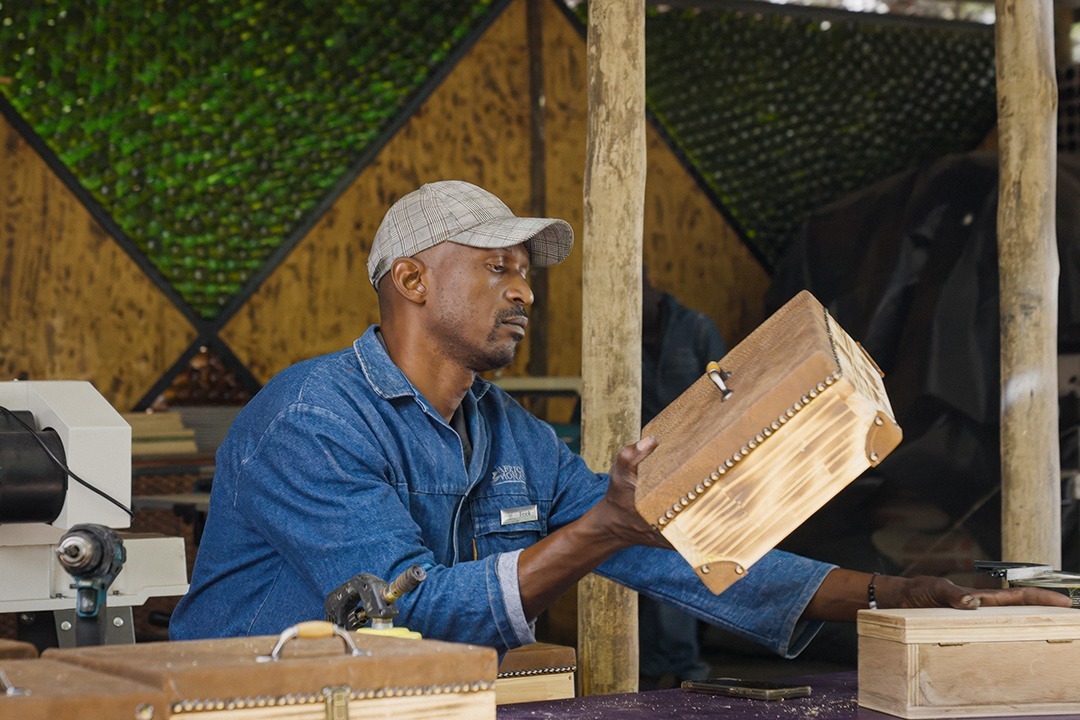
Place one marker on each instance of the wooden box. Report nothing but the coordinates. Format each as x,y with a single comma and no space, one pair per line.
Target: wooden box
940,662
312,677
540,671
17,650
52,690
732,476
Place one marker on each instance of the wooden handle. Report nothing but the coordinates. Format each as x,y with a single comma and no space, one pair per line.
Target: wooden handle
311,630
314,629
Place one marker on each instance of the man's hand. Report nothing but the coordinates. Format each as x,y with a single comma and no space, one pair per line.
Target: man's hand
617,512
844,593
548,568
923,592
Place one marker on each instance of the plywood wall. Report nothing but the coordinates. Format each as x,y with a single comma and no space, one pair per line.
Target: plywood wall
73,304
474,127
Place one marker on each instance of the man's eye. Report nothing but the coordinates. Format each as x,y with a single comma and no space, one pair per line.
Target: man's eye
495,267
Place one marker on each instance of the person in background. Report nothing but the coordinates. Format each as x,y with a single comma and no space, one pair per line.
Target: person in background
677,343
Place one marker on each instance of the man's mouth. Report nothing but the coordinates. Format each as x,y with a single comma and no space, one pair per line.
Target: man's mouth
517,322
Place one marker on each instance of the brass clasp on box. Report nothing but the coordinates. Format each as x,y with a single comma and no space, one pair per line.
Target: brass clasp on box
720,377
337,703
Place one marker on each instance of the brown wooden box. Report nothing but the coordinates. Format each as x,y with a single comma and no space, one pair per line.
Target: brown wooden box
53,690
539,671
392,678
940,662
732,477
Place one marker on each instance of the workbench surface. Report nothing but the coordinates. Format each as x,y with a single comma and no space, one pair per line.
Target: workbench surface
832,698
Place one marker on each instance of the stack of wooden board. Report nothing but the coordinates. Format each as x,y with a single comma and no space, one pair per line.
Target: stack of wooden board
159,434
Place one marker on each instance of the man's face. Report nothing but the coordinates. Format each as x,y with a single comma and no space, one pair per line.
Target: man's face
477,302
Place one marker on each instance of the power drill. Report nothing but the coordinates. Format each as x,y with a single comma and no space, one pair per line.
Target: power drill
93,555
366,598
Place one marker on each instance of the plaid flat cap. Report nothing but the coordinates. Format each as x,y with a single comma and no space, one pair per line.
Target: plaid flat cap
463,213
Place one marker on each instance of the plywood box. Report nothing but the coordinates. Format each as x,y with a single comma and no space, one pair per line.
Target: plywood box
313,677
941,663
735,472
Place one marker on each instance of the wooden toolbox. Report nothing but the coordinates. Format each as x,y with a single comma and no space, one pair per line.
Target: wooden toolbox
53,690
994,661
757,445
314,677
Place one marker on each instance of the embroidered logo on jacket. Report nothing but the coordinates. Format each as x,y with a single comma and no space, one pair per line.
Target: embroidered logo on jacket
508,473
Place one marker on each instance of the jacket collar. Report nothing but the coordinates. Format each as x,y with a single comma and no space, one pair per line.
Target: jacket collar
386,378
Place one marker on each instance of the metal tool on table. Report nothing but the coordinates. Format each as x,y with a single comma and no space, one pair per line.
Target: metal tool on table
1024,574
366,603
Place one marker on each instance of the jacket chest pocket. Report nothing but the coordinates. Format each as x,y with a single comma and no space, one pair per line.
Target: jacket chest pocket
507,522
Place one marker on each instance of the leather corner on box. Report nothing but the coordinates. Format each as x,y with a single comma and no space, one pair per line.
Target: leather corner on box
882,438
718,576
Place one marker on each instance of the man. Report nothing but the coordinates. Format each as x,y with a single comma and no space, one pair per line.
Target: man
393,453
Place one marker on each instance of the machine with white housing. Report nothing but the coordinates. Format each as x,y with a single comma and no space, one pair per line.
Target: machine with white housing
65,490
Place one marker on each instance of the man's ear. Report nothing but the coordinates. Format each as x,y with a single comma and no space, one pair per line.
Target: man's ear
407,275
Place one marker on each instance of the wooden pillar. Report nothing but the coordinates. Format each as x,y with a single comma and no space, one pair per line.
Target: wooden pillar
611,302
1027,250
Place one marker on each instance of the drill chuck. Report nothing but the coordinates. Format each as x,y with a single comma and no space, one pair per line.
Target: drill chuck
78,554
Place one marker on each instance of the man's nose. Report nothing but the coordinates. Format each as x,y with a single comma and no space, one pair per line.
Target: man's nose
519,292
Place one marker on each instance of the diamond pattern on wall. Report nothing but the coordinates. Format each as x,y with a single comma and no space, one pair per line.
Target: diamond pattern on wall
210,131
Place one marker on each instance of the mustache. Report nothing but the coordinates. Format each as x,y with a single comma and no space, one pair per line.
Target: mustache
504,315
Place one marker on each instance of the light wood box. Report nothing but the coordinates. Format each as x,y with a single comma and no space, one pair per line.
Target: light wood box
732,477
994,661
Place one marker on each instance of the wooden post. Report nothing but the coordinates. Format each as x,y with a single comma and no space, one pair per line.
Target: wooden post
1027,251
611,301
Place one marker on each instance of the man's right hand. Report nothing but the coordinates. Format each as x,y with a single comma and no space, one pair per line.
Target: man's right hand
551,566
617,512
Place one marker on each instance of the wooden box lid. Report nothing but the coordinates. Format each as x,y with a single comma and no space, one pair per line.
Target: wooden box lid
48,690
986,624
225,670
538,658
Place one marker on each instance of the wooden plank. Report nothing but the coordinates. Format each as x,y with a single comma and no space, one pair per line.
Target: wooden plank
611,298
1028,270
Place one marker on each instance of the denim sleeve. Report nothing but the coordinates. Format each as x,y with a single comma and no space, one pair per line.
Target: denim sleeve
764,607
322,495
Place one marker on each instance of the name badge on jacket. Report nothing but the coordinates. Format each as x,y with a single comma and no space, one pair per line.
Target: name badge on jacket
512,516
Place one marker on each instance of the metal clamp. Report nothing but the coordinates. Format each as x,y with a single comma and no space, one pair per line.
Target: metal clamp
719,377
313,629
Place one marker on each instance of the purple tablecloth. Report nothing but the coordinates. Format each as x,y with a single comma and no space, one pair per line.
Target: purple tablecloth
832,697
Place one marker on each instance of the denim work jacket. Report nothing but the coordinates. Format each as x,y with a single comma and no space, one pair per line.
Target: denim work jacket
339,466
